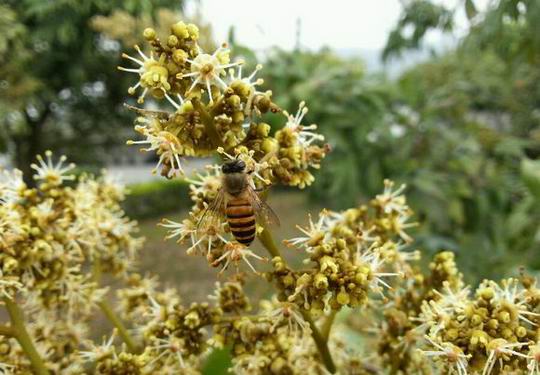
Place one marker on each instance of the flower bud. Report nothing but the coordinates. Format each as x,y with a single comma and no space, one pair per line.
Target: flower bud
238,117
321,281
288,280
476,320
192,319
343,297
179,56
10,264
263,129
149,33
193,31
504,316
521,332
263,103
493,324
278,366
269,145
180,30
172,41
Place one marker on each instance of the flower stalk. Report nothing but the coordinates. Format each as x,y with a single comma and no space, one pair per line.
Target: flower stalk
321,339
20,333
268,242
320,342
327,325
109,312
119,325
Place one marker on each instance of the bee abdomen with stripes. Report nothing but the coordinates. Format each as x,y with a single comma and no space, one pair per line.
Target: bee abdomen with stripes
241,219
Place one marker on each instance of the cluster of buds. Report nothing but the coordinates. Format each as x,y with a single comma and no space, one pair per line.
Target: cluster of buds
49,233
434,324
349,254
400,330
213,104
276,340
494,332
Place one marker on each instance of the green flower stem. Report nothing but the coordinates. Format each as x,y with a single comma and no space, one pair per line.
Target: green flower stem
21,335
122,331
109,312
327,325
268,242
208,122
321,343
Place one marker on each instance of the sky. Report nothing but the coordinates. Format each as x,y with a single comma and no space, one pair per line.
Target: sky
342,24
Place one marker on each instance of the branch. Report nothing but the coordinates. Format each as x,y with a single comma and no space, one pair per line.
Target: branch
109,312
320,341
268,242
22,336
327,325
122,330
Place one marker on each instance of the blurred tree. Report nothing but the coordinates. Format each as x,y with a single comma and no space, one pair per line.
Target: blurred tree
454,129
58,87
510,27
347,104
418,17
486,93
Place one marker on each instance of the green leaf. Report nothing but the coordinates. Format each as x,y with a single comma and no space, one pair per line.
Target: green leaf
218,362
530,173
519,218
470,9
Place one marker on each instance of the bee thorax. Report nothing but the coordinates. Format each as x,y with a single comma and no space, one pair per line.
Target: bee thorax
234,183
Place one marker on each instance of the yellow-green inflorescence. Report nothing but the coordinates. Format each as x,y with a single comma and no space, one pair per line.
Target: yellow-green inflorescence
214,104
50,238
359,275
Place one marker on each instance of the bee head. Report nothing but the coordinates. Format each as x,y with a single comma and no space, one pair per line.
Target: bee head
233,166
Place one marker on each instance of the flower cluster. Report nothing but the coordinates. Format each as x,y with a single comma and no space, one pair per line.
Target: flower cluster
50,236
359,271
213,104
349,254
435,324
494,332
48,232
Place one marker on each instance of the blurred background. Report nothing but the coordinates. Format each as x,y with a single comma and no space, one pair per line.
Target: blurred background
441,95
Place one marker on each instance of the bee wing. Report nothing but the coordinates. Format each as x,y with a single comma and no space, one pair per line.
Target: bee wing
213,214
145,112
263,211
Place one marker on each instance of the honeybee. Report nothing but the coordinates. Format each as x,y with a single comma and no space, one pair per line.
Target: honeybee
238,203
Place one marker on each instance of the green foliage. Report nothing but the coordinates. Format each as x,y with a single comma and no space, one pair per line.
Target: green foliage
530,170
419,17
459,130
152,199
509,27
347,105
218,362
